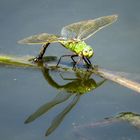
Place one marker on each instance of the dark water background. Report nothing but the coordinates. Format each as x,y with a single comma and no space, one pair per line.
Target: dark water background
22,91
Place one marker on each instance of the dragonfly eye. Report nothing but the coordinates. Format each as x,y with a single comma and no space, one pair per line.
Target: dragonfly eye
88,52
85,52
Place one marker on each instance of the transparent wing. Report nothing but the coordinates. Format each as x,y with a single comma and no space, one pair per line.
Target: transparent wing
40,39
84,29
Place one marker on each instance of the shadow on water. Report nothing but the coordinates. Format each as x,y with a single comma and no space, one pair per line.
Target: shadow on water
74,88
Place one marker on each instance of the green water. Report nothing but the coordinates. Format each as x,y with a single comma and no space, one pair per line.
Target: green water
24,90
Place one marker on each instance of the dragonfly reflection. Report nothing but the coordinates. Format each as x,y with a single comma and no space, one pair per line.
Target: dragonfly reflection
81,84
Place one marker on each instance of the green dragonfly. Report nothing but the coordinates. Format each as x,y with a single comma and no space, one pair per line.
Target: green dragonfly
72,37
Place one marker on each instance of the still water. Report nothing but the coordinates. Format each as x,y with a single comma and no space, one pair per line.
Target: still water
24,90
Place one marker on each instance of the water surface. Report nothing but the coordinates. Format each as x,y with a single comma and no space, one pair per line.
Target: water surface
23,91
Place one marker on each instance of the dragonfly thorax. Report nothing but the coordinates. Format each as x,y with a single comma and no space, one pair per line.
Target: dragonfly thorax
80,48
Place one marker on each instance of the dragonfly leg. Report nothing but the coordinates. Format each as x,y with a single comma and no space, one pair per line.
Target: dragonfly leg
87,61
42,51
72,57
69,55
74,66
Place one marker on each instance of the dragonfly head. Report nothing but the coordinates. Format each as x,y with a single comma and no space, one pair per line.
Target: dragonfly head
88,52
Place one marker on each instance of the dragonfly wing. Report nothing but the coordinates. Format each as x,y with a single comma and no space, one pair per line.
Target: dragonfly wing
40,39
84,29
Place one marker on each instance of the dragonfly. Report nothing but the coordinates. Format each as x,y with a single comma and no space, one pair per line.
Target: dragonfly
72,37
